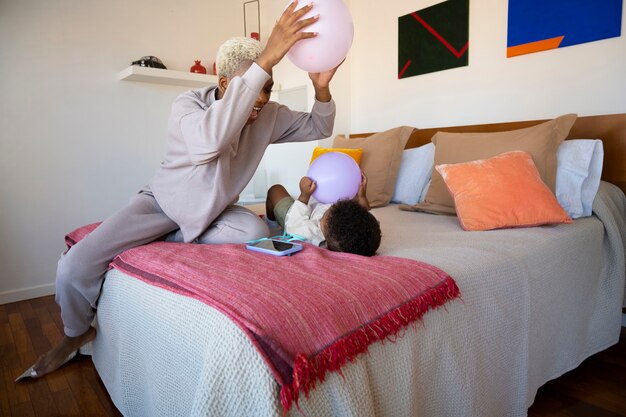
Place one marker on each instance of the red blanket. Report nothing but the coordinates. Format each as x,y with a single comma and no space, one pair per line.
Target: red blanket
307,314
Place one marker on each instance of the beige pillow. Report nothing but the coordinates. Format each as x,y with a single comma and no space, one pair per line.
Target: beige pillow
380,161
540,141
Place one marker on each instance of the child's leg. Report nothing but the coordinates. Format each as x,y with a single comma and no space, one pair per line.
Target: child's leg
274,195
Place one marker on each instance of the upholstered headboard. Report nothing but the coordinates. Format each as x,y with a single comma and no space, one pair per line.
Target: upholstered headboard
610,128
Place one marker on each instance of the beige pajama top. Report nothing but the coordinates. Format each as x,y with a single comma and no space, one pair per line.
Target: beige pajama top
212,154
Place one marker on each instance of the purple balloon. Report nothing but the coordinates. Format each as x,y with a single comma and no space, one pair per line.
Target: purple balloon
337,177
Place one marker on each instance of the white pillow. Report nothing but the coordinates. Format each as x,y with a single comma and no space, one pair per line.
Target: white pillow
414,175
424,191
579,167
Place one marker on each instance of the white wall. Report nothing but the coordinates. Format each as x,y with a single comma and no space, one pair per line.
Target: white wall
76,143
585,79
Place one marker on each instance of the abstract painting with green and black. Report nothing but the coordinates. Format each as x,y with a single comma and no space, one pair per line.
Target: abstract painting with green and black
433,39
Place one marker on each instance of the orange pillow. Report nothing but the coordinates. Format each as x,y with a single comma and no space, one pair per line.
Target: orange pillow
354,153
503,191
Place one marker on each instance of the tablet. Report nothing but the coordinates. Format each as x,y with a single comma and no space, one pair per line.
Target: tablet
275,247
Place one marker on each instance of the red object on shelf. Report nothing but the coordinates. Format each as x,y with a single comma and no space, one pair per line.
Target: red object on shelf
197,68
255,35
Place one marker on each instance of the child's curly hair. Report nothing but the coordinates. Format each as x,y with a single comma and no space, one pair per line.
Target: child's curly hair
351,228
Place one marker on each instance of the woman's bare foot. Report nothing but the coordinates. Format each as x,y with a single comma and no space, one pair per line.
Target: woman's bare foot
58,355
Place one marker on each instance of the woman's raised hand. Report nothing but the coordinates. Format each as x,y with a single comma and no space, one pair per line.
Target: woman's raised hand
287,31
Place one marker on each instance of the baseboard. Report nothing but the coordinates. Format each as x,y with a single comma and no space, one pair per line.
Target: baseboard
26,293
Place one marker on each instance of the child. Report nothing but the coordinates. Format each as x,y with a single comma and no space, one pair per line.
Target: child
345,226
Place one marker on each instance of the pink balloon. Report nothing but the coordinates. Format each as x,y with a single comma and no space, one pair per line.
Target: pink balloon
336,175
335,31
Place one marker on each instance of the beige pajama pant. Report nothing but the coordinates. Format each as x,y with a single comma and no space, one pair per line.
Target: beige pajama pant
81,270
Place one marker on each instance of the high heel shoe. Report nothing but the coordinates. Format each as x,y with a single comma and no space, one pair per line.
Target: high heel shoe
31,373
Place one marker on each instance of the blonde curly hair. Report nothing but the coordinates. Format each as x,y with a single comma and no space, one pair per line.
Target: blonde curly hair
233,54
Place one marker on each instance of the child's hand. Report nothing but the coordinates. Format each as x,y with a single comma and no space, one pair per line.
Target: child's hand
363,185
307,186
361,195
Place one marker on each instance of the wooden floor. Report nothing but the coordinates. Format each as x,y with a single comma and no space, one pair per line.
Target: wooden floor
29,328
597,388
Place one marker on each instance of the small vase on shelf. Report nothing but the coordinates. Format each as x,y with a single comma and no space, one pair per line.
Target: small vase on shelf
197,68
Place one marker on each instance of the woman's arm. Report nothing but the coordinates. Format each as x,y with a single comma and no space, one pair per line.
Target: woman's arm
209,131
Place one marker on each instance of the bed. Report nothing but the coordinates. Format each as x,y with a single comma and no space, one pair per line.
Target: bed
535,302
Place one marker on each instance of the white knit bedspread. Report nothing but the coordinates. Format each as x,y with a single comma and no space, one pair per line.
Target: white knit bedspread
535,303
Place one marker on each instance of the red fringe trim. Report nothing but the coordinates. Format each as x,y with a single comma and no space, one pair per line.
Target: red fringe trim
307,372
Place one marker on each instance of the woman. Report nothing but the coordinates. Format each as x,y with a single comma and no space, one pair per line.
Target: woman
216,139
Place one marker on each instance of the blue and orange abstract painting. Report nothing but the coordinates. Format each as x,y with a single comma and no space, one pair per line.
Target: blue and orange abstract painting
540,25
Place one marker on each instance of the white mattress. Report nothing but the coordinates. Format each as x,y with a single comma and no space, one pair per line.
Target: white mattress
535,303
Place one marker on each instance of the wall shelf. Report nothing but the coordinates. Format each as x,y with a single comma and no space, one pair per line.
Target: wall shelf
166,77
